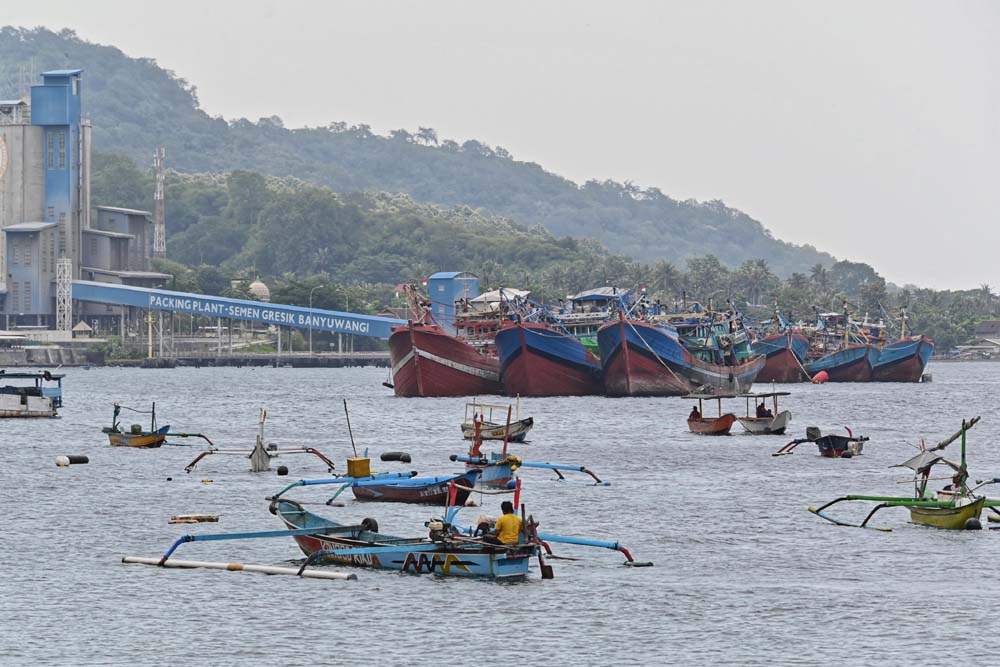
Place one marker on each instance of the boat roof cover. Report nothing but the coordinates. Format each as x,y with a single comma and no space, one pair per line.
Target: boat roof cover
925,459
599,294
765,394
705,397
508,293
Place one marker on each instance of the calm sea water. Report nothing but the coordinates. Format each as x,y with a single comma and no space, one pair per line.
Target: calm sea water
743,573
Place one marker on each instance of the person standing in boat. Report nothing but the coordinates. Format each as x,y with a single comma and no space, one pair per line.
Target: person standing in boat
694,414
507,529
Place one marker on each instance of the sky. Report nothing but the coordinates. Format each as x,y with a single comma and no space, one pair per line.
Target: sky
868,129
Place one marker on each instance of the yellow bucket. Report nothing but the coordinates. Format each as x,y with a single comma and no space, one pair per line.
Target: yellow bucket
359,467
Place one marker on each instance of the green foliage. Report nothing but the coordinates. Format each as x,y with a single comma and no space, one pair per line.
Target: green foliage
137,106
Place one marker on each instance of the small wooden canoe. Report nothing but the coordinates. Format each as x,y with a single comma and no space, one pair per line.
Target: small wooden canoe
422,490
767,425
712,425
142,439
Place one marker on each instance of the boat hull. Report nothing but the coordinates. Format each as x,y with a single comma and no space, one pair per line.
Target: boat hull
951,518
643,360
712,426
839,446
784,356
490,431
903,361
138,440
417,556
765,425
536,360
852,364
426,362
431,493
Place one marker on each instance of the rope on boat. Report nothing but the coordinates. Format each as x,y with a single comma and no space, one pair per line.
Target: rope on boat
662,363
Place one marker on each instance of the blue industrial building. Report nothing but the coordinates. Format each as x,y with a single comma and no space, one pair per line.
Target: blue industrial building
45,211
444,289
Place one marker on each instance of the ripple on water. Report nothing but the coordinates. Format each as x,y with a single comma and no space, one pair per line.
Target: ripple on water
744,575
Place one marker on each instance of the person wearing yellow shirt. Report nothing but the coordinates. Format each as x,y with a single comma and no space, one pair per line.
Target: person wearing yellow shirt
507,529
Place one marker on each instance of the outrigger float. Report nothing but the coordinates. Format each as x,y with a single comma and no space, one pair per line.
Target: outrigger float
955,507
447,550
830,446
37,399
492,429
498,469
261,455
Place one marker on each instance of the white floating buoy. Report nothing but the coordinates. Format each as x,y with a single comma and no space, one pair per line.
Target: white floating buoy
63,461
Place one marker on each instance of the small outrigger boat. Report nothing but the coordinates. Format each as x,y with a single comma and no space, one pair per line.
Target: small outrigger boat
260,456
492,429
37,399
136,436
830,446
400,487
703,425
774,423
956,507
497,470
448,549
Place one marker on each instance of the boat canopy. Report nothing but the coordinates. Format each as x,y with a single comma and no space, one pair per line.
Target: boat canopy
764,394
495,295
42,375
599,294
924,460
707,397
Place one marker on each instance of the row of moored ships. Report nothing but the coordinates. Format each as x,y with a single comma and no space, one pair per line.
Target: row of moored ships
603,341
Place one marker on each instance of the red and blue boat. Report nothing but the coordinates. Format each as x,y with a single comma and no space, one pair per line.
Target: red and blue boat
541,360
426,361
785,354
903,360
642,359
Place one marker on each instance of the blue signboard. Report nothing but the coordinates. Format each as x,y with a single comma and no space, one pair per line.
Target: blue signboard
235,309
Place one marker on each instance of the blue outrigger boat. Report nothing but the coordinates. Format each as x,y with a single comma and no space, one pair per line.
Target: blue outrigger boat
448,549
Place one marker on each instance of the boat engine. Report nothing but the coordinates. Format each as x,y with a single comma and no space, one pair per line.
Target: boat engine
438,530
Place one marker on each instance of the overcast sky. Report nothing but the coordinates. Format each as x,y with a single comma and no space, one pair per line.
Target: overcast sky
868,129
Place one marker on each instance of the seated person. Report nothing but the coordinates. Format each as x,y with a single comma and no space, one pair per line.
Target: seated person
508,527
694,414
761,410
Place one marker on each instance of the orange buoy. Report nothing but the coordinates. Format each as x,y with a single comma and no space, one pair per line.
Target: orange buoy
820,377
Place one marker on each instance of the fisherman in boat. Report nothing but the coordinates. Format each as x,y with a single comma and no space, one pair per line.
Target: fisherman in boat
507,529
956,484
694,414
761,410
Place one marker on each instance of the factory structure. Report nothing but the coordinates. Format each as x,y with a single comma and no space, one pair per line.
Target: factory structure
50,232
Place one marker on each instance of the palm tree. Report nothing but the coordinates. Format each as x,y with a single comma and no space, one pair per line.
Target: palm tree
986,298
427,135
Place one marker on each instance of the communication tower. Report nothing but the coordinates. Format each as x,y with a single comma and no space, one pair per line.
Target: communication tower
159,208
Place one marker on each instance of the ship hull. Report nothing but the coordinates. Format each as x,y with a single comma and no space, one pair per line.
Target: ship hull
426,362
784,355
538,361
643,360
852,364
903,361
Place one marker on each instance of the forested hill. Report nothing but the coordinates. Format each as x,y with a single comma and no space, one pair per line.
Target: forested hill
135,105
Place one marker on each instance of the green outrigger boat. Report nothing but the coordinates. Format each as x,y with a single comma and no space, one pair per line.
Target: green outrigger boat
955,507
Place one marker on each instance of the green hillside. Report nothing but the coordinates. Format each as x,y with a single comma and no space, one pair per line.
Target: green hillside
135,105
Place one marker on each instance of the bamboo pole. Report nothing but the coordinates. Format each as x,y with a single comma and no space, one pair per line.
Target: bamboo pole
240,567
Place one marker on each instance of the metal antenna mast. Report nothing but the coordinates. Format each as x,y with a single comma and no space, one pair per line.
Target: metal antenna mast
159,205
